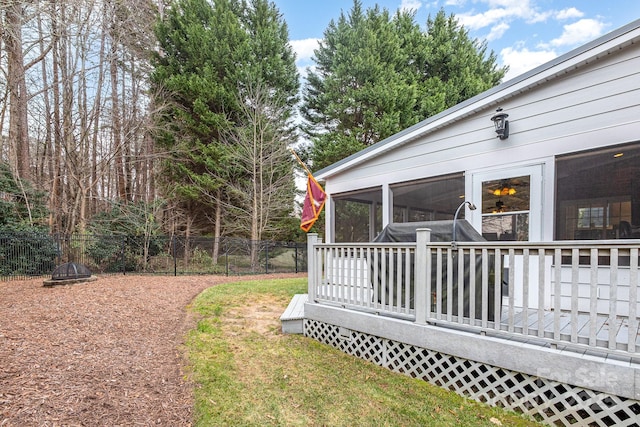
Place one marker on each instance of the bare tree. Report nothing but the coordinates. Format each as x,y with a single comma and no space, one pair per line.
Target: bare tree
79,125
264,184
14,16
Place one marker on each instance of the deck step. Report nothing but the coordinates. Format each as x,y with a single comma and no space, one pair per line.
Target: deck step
293,317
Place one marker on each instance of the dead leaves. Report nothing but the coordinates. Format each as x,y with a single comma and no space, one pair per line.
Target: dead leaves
98,353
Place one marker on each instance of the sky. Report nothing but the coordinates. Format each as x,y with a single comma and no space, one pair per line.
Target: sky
522,33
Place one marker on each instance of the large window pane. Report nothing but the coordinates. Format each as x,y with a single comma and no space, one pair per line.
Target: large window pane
358,216
506,227
429,199
506,204
598,194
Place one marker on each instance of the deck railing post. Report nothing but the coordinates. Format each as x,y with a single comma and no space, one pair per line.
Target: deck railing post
423,237
312,239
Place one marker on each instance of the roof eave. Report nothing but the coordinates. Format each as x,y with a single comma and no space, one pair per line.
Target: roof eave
570,61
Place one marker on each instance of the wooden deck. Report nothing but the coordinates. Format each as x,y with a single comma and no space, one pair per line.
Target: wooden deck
576,294
543,321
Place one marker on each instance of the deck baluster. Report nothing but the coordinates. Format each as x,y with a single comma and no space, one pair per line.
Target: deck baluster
497,290
472,284
575,258
542,260
613,299
439,283
557,295
511,285
633,301
383,284
593,295
376,277
525,291
485,288
460,295
449,285
407,282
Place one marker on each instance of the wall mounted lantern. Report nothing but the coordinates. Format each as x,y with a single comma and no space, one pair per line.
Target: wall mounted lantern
501,123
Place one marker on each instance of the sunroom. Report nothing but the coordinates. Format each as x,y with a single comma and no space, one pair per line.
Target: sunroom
596,197
539,311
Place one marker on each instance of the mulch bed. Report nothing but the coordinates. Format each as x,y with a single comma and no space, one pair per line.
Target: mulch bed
107,352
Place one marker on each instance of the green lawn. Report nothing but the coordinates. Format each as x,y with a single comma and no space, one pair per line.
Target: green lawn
247,373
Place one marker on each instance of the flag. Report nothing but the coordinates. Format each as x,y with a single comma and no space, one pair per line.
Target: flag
313,203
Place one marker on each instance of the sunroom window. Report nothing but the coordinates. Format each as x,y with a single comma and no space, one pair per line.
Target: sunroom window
506,206
598,194
358,215
430,199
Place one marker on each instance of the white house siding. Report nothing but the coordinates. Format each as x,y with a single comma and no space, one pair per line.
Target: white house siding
596,106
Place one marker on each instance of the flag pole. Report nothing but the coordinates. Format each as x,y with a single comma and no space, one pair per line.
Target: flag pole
300,161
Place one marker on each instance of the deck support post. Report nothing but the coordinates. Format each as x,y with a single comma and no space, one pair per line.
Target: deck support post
312,239
423,237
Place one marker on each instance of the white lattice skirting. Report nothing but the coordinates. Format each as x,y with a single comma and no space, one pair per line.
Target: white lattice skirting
548,401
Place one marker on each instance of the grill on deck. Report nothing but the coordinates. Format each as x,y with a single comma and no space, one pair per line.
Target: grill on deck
70,270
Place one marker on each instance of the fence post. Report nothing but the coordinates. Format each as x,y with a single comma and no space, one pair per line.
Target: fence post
295,257
226,258
312,239
266,256
124,263
58,249
173,252
423,236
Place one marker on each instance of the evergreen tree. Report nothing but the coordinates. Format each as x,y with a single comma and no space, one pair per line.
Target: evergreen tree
268,93
452,66
359,93
271,61
212,54
377,74
202,49
21,207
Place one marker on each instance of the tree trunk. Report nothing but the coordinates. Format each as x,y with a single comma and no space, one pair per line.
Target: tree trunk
44,175
18,97
217,227
116,118
55,195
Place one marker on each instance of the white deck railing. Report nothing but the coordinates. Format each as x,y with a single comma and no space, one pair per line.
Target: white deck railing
582,293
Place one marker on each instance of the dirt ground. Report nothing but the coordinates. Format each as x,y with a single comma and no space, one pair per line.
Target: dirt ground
100,353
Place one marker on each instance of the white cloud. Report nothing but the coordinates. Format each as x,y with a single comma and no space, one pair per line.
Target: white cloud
481,20
502,11
570,13
579,32
539,16
522,60
510,10
410,5
304,48
497,31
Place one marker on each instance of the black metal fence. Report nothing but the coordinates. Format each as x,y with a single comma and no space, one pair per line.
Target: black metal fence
24,255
